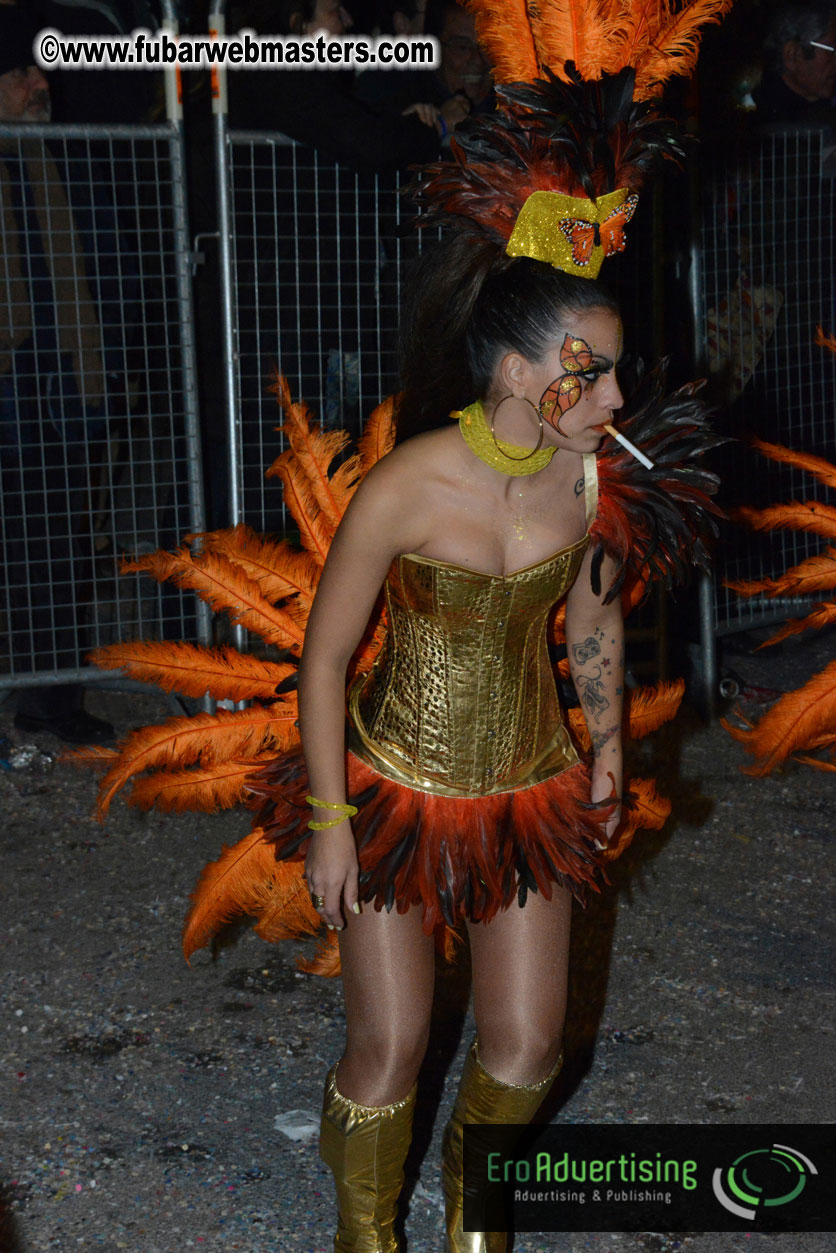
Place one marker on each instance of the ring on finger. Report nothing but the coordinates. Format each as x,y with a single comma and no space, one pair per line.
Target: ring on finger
318,901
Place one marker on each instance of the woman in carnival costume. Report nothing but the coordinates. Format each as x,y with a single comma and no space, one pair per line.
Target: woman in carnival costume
460,800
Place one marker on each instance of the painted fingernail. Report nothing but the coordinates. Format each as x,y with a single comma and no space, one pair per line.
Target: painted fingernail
331,926
356,907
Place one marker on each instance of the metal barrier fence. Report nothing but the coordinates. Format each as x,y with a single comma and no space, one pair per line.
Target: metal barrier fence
317,265
99,428
765,278
99,440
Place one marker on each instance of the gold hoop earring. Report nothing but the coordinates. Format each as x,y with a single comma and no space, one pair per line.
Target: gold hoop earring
536,409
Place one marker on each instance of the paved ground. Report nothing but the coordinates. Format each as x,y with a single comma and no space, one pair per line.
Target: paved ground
143,1100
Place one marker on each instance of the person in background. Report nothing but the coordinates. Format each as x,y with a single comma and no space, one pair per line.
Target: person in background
100,95
320,107
407,16
800,78
461,84
51,389
465,70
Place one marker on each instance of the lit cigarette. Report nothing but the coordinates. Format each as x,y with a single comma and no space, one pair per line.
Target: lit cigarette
827,47
631,448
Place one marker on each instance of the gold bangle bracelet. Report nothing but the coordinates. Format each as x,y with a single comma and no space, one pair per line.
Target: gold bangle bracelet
344,811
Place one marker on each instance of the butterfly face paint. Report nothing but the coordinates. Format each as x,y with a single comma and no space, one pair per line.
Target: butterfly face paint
563,394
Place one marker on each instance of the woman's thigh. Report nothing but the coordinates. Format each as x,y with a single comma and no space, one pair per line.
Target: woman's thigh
388,968
520,963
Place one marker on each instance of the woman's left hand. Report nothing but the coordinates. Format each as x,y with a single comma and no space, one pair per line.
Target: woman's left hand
603,782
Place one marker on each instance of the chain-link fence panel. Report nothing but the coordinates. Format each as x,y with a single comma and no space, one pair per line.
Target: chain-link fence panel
766,252
318,258
98,426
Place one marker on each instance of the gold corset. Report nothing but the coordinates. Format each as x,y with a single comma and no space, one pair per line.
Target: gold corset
462,699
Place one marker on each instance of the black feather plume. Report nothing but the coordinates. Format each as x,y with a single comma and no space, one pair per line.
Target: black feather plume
581,138
658,523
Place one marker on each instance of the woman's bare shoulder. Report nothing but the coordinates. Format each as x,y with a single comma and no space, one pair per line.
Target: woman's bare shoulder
418,462
401,494
395,499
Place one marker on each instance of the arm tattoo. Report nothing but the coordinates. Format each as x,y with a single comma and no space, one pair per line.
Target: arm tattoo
600,738
583,652
591,691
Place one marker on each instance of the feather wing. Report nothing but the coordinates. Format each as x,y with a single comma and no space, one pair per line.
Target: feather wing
817,466
314,531
378,436
225,587
275,566
646,709
314,451
821,616
804,720
815,574
224,673
649,708
206,788
644,810
246,879
204,739
810,515
656,524
316,498
793,723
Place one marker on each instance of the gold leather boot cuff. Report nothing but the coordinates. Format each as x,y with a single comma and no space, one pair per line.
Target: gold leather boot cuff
365,1147
482,1099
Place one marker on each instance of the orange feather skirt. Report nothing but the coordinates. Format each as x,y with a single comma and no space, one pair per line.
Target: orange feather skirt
457,858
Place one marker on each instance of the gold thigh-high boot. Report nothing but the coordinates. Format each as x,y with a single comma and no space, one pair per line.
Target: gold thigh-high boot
482,1099
365,1146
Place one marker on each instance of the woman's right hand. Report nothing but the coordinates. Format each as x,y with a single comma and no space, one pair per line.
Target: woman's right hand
331,872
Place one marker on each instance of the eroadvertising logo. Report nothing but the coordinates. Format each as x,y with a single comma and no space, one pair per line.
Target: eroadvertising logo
768,1177
684,1177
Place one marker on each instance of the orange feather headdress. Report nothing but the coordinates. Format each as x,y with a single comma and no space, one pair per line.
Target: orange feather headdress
658,39
553,173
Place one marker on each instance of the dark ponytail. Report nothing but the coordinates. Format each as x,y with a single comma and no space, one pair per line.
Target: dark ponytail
436,310
467,305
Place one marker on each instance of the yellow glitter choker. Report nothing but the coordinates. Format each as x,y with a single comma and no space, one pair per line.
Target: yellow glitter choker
477,435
